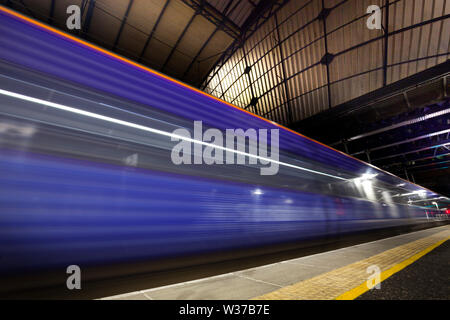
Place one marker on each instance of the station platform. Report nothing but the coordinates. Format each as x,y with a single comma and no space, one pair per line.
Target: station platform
408,266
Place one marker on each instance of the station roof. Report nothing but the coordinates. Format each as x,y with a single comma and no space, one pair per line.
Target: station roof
181,38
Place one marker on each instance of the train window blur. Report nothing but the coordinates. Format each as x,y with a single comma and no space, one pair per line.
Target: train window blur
86,173
38,127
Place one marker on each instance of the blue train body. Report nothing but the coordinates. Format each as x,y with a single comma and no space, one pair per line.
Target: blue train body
57,210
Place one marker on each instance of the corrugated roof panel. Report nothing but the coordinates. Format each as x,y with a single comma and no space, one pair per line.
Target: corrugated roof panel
106,21
242,9
173,22
144,14
354,32
41,9
242,12
195,36
356,52
350,11
292,8
140,22
219,4
208,56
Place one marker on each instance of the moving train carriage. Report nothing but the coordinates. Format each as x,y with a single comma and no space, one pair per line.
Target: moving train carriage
88,178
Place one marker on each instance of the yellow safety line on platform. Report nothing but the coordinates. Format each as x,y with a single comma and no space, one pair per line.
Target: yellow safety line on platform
356,292
351,281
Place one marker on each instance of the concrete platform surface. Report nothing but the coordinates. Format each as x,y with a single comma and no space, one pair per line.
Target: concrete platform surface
325,275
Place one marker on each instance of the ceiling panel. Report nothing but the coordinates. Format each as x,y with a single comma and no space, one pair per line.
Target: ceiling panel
106,21
195,36
140,22
41,9
173,22
330,49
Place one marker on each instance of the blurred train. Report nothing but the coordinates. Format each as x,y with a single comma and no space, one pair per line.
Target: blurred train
86,176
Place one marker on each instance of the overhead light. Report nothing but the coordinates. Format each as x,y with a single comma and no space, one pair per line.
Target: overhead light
365,179
368,176
421,193
257,192
436,205
418,192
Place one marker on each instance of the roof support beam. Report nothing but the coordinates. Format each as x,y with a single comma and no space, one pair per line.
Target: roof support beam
122,25
87,21
432,145
398,31
149,38
254,100
418,158
386,42
399,125
199,53
430,166
178,41
232,9
289,116
224,12
404,141
263,12
359,104
215,17
52,12
324,15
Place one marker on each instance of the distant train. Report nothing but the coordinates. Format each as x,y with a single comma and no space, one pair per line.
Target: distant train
87,178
